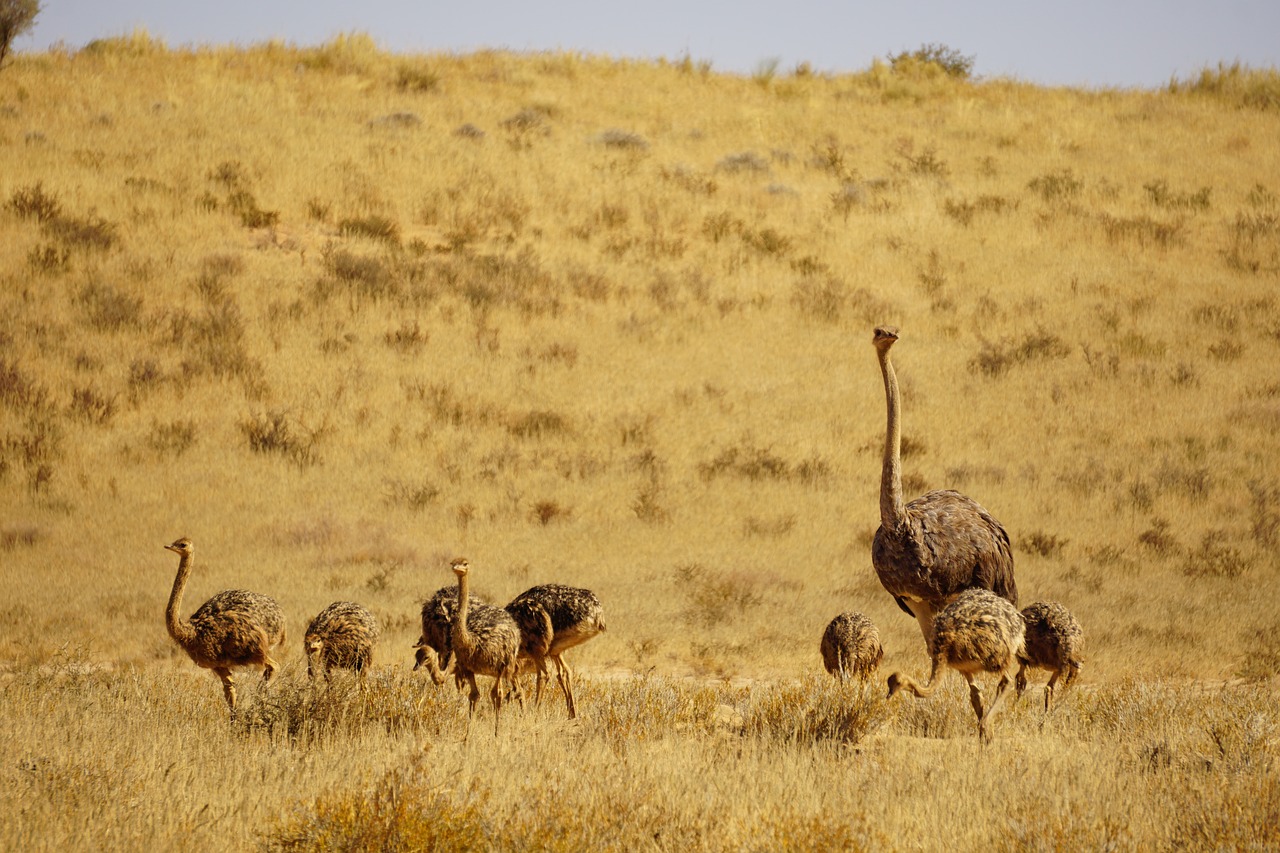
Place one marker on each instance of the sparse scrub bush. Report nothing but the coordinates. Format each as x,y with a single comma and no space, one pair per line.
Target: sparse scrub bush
623,140
48,259
90,406
243,204
91,232
813,710
715,597
821,300
1062,185
408,338
544,512
946,59
172,438
1255,88
538,424
1161,196
1158,538
33,202
994,360
1264,513
689,180
1048,545
107,309
416,78
744,161
1143,230
925,163
276,432
415,496
361,276
373,227
964,210
1216,557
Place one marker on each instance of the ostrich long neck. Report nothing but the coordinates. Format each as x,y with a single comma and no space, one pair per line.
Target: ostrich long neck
892,510
462,640
181,631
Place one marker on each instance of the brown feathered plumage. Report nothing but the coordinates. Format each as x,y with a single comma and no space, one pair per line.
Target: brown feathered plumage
929,550
342,636
554,618
977,632
234,628
434,648
851,646
486,641
1055,641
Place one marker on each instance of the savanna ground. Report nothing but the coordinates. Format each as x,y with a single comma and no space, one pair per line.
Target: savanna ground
339,315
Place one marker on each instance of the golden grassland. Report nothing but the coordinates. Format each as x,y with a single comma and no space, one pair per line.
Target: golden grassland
339,315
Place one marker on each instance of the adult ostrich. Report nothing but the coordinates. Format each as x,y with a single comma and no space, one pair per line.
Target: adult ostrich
928,551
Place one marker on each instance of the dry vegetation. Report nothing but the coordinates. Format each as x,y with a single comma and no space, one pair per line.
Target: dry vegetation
339,315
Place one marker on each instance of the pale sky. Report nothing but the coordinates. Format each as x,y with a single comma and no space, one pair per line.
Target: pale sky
1094,43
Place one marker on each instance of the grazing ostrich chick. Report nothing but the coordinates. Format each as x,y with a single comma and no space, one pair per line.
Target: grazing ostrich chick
1054,642
486,641
929,550
234,628
554,618
978,632
342,636
851,646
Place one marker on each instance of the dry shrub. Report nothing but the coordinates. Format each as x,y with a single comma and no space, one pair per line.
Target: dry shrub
813,710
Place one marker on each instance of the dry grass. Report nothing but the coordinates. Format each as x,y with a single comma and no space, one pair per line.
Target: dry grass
340,315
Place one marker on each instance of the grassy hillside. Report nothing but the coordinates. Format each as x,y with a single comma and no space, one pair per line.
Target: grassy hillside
339,315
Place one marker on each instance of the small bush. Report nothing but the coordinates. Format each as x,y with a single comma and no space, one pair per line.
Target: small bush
276,432
1045,544
950,61
243,204
1216,557
746,161
416,78
91,407
91,232
546,511
107,309
416,496
995,360
1062,185
32,202
538,424
813,710
173,438
373,227
1161,196
623,140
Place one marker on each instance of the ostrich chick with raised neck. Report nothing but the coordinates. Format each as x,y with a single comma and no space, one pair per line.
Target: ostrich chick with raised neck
234,628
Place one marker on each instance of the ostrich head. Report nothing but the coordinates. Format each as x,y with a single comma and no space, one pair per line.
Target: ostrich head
884,336
895,684
181,546
460,566
314,646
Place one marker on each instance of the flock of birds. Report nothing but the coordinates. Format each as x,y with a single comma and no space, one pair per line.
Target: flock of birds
237,628
945,560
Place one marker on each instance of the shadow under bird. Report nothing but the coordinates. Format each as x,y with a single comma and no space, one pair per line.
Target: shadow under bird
235,628
929,550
